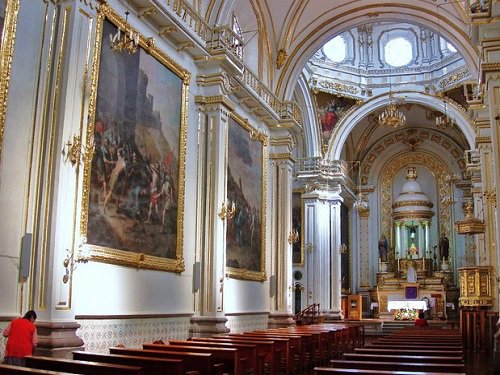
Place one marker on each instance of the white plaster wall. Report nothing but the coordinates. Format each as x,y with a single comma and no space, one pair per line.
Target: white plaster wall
16,153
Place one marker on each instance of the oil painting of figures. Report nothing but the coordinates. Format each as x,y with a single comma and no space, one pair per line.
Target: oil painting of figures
244,248
135,170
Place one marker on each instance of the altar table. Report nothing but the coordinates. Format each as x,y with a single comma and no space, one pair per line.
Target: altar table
396,305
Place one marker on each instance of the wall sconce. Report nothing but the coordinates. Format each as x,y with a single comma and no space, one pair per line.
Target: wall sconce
227,211
72,150
70,263
293,236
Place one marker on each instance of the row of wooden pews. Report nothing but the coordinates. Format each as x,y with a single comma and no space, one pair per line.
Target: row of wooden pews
423,351
286,351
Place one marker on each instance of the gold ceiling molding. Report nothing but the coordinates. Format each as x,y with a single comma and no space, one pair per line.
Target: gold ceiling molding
337,86
483,139
490,67
455,77
428,160
412,138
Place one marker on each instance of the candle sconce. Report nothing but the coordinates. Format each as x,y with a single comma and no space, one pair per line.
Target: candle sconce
228,211
72,150
293,236
70,263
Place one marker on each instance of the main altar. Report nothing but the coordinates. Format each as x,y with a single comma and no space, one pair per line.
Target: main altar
412,283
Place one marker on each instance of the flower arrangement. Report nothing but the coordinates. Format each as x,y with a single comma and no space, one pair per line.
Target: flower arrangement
406,314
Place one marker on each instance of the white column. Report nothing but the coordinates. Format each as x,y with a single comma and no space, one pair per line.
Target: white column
281,269
421,247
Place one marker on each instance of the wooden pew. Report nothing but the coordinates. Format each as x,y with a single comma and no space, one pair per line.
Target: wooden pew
300,346
248,351
273,355
398,366
282,349
151,366
292,362
348,371
402,358
263,350
202,363
413,346
81,367
231,358
15,370
409,351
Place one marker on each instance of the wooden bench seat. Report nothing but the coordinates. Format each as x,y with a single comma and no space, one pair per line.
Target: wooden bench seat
231,358
349,371
409,351
248,351
274,348
15,370
385,344
202,363
398,366
82,367
402,358
151,366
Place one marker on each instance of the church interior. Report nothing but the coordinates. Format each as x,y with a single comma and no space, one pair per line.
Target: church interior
324,159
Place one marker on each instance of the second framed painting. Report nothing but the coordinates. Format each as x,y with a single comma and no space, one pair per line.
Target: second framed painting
133,201
246,189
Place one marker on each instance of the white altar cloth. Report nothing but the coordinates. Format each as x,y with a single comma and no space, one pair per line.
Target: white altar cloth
396,305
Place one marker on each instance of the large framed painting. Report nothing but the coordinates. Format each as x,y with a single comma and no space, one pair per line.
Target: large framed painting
246,189
9,10
297,246
133,204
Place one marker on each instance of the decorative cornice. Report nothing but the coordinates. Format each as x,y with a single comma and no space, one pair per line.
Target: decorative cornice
282,155
490,67
455,77
215,99
412,203
483,139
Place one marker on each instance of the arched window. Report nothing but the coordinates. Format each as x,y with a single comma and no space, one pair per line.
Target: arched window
335,49
398,52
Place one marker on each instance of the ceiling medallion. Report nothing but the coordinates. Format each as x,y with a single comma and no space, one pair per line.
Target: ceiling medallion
391,116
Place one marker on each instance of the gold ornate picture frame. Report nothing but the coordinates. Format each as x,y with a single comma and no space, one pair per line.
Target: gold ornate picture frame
246,192
134,172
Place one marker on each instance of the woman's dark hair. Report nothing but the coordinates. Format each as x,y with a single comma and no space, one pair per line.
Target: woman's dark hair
421,315
30,314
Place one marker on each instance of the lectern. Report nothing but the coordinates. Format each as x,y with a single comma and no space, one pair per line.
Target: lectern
354,308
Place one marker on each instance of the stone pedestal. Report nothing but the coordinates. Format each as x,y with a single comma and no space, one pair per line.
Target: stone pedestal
203,326
58,339
445,265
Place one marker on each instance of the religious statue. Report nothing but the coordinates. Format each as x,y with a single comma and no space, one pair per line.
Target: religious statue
382,248
444,247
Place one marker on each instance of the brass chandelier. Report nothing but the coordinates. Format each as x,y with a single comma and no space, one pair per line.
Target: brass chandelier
391,116
444,121
125,41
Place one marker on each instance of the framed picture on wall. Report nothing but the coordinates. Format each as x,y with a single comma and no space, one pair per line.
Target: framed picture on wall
297,211
133,203
246,176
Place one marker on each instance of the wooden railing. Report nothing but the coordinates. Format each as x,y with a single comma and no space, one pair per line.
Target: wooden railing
223,39
309,315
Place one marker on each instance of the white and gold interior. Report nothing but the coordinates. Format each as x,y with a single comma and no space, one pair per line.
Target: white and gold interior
263,65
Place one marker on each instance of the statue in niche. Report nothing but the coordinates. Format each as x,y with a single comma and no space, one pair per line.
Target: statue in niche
444,247
382,248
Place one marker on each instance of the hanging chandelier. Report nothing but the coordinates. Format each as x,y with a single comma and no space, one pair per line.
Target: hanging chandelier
391,116
125,41
444,121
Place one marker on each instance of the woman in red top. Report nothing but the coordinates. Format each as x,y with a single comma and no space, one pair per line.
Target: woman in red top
421,321
22,339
